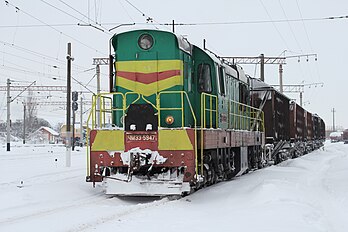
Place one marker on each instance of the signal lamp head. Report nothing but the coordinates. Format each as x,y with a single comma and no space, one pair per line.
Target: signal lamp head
169,120
145,41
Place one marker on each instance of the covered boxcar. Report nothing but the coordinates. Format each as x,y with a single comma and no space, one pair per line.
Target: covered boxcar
275,106
345,136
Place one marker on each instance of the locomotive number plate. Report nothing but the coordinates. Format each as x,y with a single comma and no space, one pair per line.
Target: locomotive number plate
133,137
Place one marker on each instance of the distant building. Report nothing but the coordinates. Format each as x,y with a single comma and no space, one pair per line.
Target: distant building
44,135
63,133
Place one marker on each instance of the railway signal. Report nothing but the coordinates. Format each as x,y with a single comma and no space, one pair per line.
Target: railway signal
75,97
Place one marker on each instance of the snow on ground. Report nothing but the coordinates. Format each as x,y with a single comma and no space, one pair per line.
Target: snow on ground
38,193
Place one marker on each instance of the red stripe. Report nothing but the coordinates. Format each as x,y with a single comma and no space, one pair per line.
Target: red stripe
148,78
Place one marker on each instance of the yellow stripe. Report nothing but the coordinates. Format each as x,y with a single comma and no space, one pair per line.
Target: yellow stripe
108,141
149,66
149,89
174,140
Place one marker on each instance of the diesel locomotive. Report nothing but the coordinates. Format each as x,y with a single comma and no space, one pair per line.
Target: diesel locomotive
177,118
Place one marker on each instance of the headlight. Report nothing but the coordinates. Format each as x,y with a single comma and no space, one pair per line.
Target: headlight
145,41
170,120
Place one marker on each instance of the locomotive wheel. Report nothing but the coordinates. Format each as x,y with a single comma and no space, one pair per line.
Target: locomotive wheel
214,177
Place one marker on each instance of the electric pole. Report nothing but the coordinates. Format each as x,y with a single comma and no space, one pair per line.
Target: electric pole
262,60
262,67
81,124
297,88
75,97
281,79
68,108
8,121
9,100
24,110
98,92
333,119
98,62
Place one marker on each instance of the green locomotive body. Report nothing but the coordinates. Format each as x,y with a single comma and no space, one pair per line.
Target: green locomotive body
180,119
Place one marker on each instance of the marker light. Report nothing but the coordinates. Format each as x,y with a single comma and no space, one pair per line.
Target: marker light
145,41
170,120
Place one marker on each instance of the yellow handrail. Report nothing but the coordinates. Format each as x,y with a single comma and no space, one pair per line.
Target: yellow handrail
102,97
91,120
204,109
244,116
182,99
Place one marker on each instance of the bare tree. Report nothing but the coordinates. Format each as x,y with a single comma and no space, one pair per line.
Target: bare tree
31,114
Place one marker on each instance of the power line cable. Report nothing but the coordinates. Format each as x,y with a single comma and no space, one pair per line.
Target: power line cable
292,31
41,55
281,36
125,10
38,25
24,58
309,41
63,11
148,18
331,18
304,26
55,29
66,4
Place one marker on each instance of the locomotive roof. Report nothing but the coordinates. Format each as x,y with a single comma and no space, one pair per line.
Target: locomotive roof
235,71
183,43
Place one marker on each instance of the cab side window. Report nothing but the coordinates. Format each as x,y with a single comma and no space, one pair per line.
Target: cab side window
222,81
204,78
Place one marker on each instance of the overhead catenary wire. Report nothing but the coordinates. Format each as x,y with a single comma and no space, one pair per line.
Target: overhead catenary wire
125,10
331,18
291,30
77,11
148,18
53,28
41,55
308,38
49,76
86,23
304,25
24,58
270,17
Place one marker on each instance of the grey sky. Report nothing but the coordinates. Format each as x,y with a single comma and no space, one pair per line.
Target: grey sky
327,38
